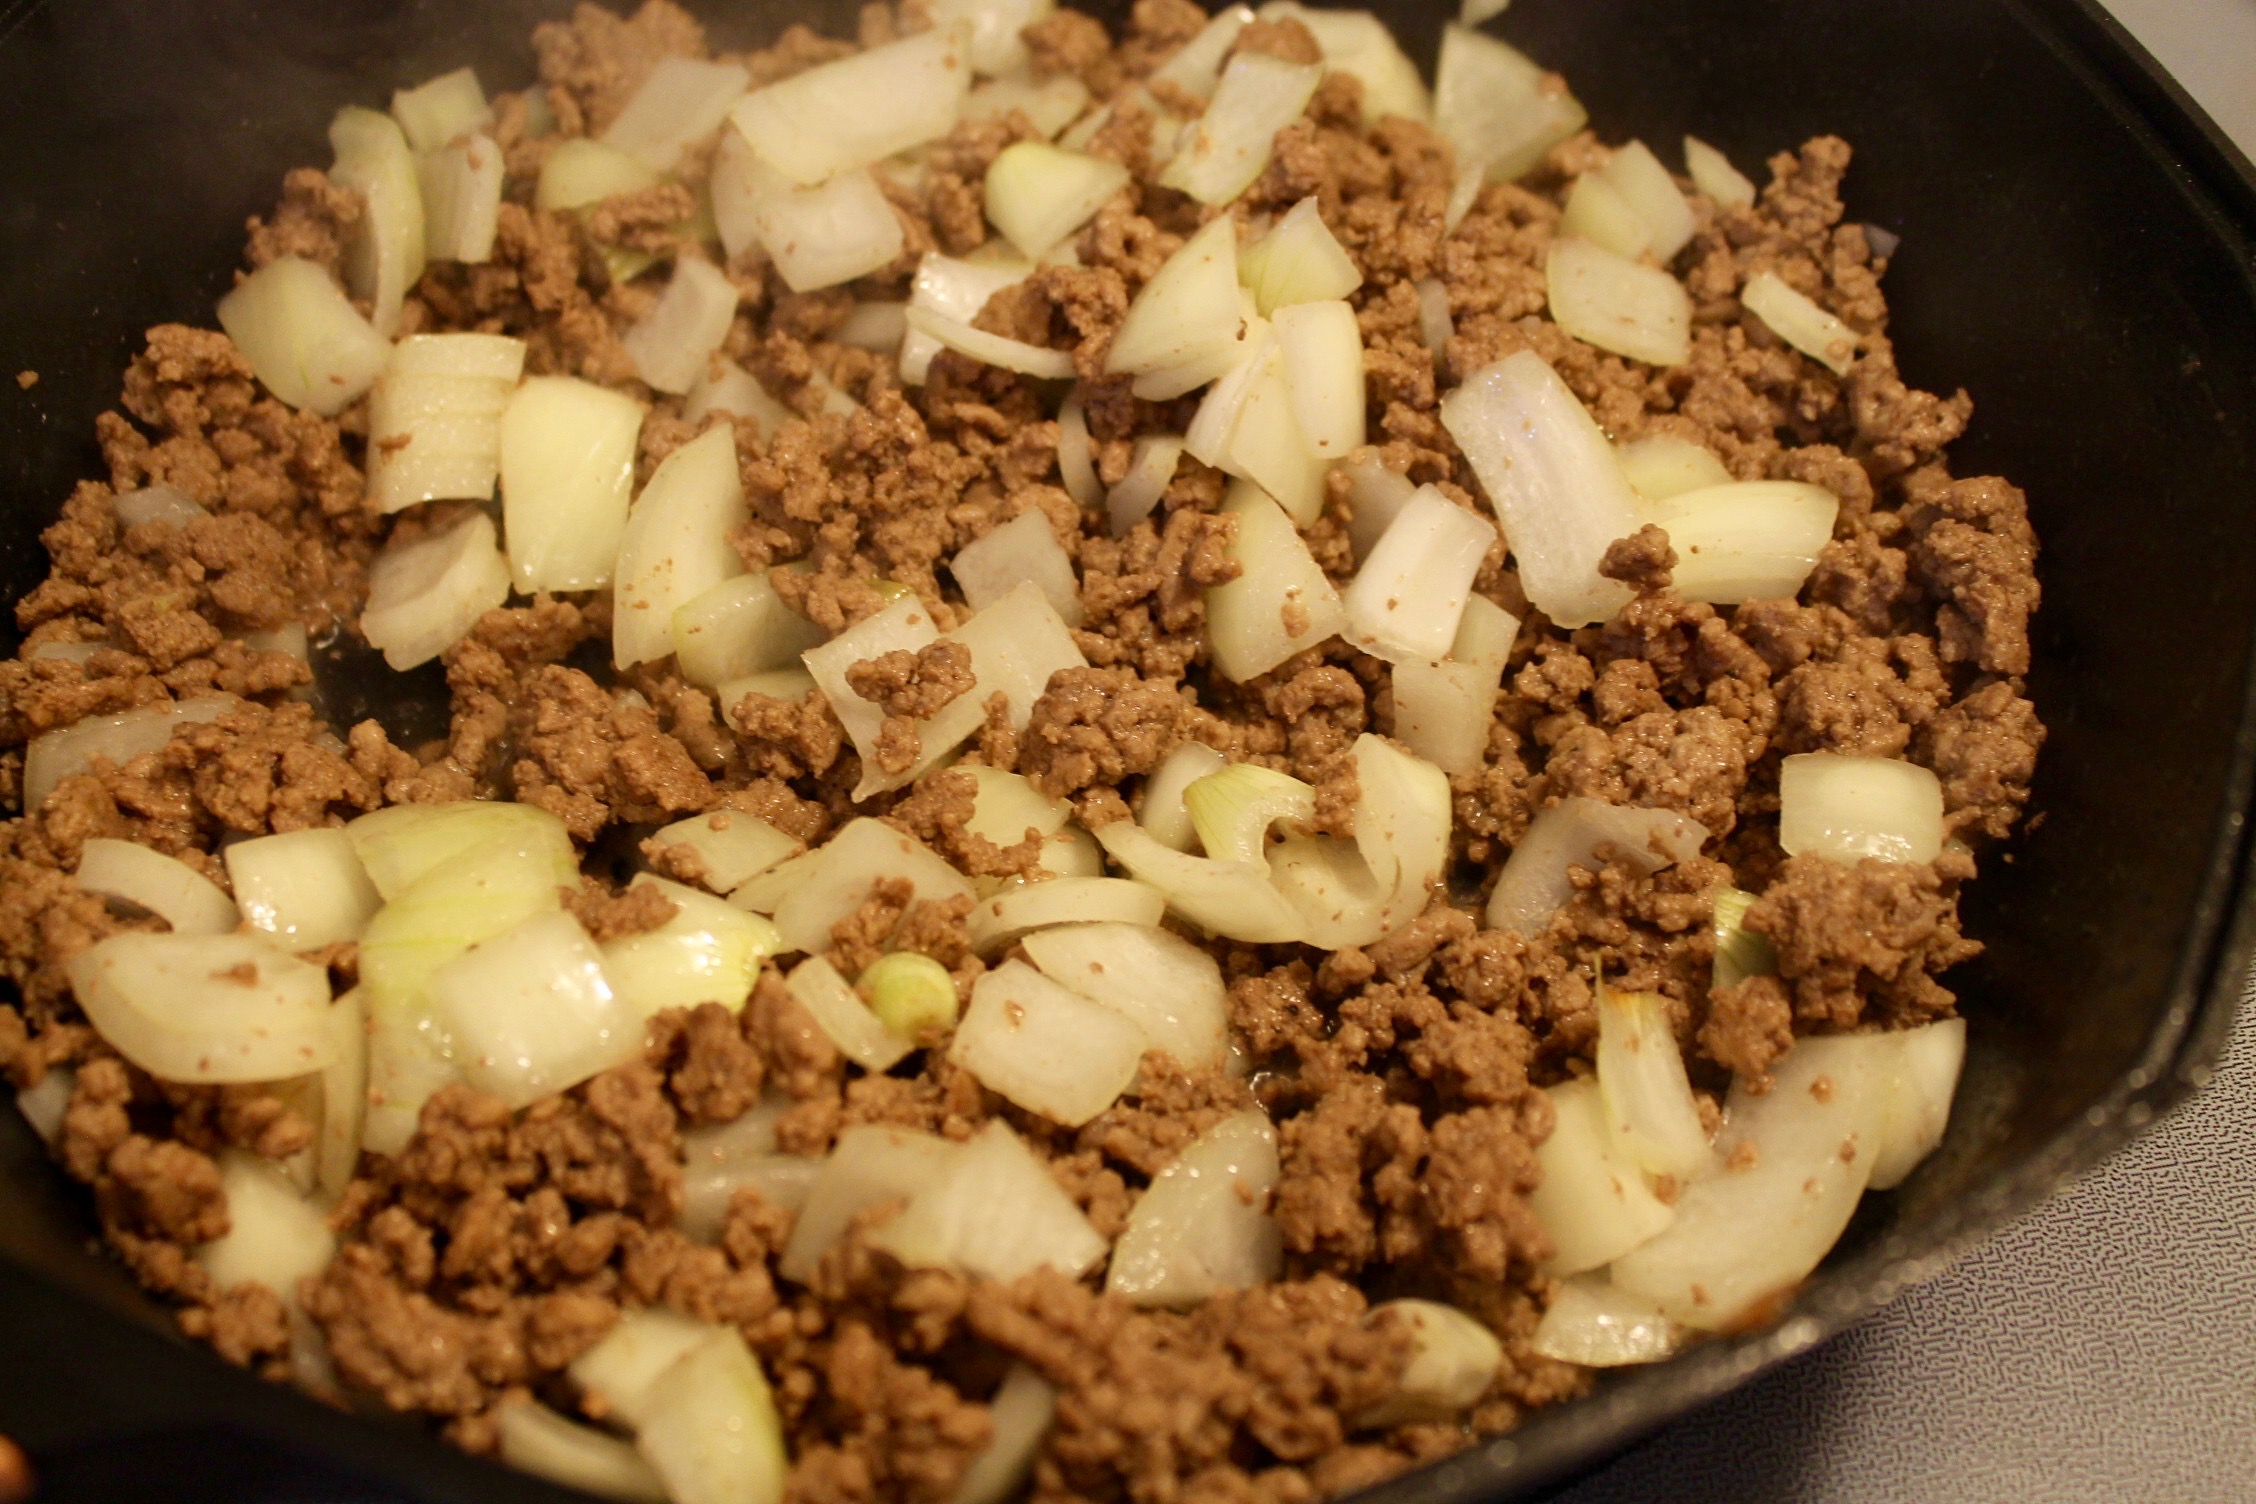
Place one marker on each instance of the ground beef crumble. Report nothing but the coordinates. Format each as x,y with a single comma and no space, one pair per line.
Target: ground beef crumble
1404,1077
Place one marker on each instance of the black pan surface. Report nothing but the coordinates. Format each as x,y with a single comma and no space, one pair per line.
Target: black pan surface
2078,252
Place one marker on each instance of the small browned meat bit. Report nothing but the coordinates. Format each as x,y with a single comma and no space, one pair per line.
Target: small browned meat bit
1408,1078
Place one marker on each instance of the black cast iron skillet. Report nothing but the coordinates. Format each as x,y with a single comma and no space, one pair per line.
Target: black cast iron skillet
2077,252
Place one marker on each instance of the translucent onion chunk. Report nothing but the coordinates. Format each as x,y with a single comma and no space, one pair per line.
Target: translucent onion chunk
1750,540
1233,899
1551,476
617,1373
998,920
1594,1207
818,236
1320,347
1228,146
1590,1322
1280,604
581,172
384,251
434,418
1151,469
302,336
1049,105
841,115
1596,211
729,847
1645,185
531,1011
1160,810
993,1211
710,1430
862,854
1443,710
1024,550
1847,808
1021,1412
1585,833
442,109
535,1439
683,101
1408,598
275,1236
1197,64
1048,1049
1617,304
567,468
1203,1226
1038,194
307,888
738,628
205,1009
1361,45
1189,307
425,595
675,546
992,349
1660,466
166,886
958,290
1453,1360
1794,318
709,952
1651,1113
1169,988
838,1010
117,740
672,344
1500,110
869,1165
461,184
1298,261
1713,174
1918,1098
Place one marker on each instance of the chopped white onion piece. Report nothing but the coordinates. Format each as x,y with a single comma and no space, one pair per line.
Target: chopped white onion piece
1006,808
1226,148
1280,604
1597,212
1501,111
738,628
567,467
913,995
43,1105
683,101
1713,174
1187,310
442,109
275,1237
1298,261
841,115
1203,1224
730,847
1651,1113
461,188
1590,1322
1645,185
992,349
1740,953
1846,808
1049,104
1407,599
671,345
1197,64
726,387
1020,1413
1050,1050
205,1009
408,1060
1619,305
1435,327
306,888
384,250
1233,809
995,1212
675,548
1151,467
1750,540
1361,45
1793,1164
1443,711
793,684
999,920
1320,348
1233,899
1453,1360
869,1165
1038,194
1024,550
403,844
434,418
1017,645
1593,1206
1261,437
958,290
1161,810
1375,495
1464,192
1169,988
536,1440
425,596
854,861
721,1160
118,739
838,1010
709,952
904,626
710,1428
1551,476
825,235
1077,464
302,336
1799,321
157,503
580,172
344,1097
618,1372
1585,833
166,886
1917,1103
1663,465
531,1011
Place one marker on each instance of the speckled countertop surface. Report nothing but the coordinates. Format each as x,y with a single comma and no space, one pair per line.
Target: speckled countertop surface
2104,1348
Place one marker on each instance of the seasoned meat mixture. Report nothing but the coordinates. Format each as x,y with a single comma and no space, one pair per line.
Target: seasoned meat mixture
1403,1086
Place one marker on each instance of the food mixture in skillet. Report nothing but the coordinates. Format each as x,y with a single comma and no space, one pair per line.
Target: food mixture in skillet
1173,772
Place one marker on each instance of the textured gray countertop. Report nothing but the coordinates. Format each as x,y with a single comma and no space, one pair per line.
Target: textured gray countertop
2102,1349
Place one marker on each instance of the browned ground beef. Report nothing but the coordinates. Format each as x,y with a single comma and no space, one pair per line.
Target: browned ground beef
1402,1077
